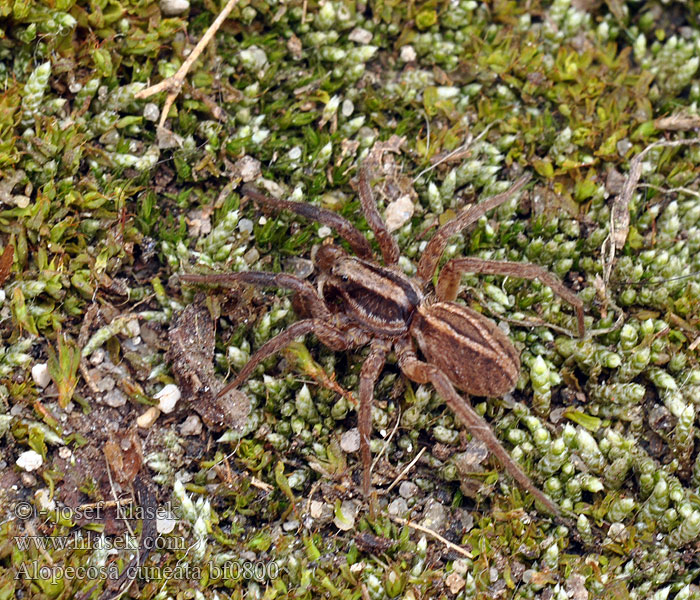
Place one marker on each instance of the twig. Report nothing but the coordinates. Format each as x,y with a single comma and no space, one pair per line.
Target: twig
173,84
620,214
403,473
431,533
386,442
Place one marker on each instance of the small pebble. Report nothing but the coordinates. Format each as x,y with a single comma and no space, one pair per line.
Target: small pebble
360,35
114,398
398,507
40,375
294,153
251,256
347,107
28,480
173,8
434,516
324,231
104,384
247,168
455,583
408,54
151,112
408,489
64,452
97,357
321,511
132,328
399,212
30,460
168,397
192,425
290,525
146,419
245,225
350,440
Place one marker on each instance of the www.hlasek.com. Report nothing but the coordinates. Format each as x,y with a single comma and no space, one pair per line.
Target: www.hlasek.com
82,541
232,570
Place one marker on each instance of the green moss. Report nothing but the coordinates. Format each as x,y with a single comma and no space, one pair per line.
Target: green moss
102,210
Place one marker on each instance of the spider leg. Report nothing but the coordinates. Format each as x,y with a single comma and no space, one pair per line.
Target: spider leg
345,229
372,367
306,291
329,335
387,243
448,281
422,372
436,245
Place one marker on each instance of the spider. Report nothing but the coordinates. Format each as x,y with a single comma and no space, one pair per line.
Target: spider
359,302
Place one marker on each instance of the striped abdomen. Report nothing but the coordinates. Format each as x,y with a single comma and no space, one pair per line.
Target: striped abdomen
470,349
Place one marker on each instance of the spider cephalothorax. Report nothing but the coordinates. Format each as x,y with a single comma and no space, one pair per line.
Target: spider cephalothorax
360,302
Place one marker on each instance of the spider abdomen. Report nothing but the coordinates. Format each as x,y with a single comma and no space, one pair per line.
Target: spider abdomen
470,349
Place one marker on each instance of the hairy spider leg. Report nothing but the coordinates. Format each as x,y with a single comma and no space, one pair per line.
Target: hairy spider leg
451,273
436,246
422,372
371,369
387,243
345,229
329,335
303,288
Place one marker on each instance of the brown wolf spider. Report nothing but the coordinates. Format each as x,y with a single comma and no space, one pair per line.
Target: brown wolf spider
359,302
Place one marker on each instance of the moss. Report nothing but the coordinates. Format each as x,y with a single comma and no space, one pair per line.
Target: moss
102,210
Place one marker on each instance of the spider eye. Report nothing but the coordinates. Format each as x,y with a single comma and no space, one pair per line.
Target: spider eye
344,278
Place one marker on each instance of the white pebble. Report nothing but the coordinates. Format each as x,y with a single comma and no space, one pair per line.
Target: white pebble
360,35
245,225
97,357
294,153
247,168
40,375
408,489
350,440
347,108
192,425
30,460
147,418
168,397
399,212
173,8
151,112
324,231
408,54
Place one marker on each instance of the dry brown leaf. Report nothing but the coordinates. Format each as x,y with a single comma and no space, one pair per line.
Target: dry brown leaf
677,122
6,262
191,353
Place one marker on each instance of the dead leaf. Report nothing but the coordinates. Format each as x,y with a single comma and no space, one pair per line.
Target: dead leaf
679,121
6,262
191,353
124,456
